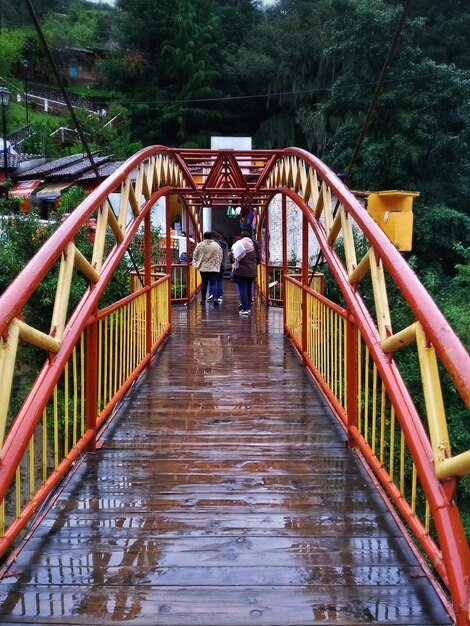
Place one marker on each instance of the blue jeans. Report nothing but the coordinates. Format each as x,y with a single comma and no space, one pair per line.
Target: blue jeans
245,290
219,292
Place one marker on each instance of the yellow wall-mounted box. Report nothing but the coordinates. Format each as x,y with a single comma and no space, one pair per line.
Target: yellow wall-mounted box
393,212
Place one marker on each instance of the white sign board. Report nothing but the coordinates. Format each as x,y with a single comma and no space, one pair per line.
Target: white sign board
231,143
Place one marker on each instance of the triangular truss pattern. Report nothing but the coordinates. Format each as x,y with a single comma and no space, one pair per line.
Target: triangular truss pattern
225,174
227,177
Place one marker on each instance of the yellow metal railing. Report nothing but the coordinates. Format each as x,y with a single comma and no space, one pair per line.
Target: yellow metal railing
183,275
326,345
325,336
62,433
194,279
271,283
261,281
378,432
385,440
61,426
293,305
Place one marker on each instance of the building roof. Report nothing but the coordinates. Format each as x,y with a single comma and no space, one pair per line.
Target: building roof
46,169
70,167
104,170
14,159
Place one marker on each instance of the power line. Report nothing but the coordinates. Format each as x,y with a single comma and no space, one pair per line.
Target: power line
378,88
268,94
55,71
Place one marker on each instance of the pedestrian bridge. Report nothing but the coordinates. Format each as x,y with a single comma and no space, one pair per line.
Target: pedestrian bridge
182,465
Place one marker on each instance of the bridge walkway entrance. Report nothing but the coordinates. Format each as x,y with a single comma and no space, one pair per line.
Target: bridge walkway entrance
223,494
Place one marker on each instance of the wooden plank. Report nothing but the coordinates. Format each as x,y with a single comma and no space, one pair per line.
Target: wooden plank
230,503
227,606
168,525
120,461
94,573
246,551
220,483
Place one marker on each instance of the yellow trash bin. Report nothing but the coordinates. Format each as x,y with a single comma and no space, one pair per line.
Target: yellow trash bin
393,212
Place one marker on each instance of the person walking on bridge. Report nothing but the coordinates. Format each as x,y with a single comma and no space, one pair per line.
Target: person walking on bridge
207,258
220,279
244,257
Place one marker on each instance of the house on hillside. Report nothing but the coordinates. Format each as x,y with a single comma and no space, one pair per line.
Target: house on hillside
43,185
79,66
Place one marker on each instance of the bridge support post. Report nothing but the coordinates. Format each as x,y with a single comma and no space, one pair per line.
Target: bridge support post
284,251
266,254
168,254
188,255
305,281
148,282
351,376
91,381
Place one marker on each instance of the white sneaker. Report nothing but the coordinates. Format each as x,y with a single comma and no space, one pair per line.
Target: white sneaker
210,297
220,300
244,313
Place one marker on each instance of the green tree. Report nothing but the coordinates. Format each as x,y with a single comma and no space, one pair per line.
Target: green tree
11,46
166,63
110,133
292,75
190,71
16,13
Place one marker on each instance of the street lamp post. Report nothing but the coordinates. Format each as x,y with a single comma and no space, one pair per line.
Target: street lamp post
4,101
25,76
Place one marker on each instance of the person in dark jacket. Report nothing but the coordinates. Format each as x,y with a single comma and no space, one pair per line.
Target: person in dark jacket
244,257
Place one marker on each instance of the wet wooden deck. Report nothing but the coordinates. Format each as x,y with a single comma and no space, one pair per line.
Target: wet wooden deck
224,495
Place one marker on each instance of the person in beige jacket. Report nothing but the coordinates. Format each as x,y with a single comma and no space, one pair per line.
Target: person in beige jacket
207,258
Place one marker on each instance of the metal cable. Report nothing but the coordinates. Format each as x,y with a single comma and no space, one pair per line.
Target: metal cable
372,104
81,134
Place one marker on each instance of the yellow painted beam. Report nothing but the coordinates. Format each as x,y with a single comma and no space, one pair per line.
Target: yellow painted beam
455,466
85,267
335,228
38,338
100,237
327,210
437,423
319,205
64,283
360,270
133,200
150,175
139,183
384,322
124,204
399,340
7,367
348,240
114,223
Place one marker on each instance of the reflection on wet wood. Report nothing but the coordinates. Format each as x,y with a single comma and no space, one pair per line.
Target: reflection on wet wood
224,495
